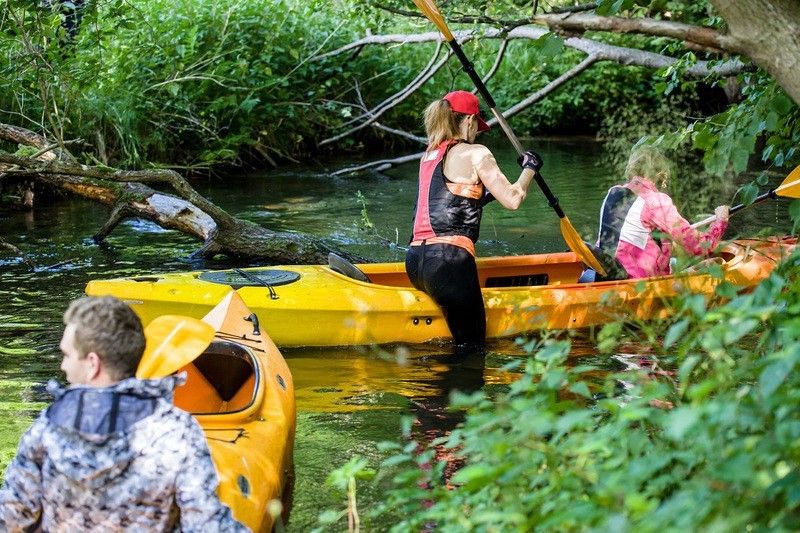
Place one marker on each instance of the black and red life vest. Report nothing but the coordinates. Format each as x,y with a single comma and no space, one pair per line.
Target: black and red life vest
439,212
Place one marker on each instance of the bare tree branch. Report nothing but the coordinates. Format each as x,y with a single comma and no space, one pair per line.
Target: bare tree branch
705,37
498,60
373,115
380,165
402,91
483,19
549,88
467,19
603,51
385,164
401,133
596,51
575,9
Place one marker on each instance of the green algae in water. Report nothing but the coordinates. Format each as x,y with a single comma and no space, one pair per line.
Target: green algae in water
19,326
17,412
10,350
323,443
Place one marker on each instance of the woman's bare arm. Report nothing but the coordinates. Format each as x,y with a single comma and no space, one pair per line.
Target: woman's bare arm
510,195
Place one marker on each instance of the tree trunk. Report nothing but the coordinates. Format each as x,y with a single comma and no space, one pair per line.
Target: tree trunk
768,32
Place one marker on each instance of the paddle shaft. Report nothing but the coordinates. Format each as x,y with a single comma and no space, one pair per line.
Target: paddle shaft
790,188
552,201
766,196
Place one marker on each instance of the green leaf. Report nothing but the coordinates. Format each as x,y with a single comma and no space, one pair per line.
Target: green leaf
473,475
738,329
781,104
704,139
771,122
680,421
396,460
775,374
549,45
686,367
553,353
726,289
741,153
581,388
330,516
249,104
675,332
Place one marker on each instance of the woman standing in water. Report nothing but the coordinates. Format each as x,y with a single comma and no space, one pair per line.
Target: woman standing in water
455,177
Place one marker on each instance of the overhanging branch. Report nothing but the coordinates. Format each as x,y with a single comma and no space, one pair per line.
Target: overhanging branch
603,51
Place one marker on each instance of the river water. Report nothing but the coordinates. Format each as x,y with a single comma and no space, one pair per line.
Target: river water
348,399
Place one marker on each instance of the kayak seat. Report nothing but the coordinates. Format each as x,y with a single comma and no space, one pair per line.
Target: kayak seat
243,396
341,265
614,269
197,395
221,380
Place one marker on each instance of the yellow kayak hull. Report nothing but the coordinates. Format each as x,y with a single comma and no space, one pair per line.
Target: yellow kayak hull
521,294
242,393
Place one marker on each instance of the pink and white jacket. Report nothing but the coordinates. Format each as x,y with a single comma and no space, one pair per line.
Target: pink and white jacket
628,218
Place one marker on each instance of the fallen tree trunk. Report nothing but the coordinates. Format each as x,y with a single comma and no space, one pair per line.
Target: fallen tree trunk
128,196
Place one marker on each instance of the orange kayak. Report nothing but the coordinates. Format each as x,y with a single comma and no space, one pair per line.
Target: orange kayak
315,305
242,394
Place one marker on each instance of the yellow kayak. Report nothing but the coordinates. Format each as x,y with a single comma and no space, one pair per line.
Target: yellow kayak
315,305
241,392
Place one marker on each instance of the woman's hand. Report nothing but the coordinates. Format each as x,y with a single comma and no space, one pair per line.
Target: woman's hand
531,160
722,212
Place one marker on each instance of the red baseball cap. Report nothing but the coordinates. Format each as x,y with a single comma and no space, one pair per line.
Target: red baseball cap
467,103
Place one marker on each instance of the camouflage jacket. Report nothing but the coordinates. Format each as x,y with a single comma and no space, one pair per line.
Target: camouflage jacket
114,459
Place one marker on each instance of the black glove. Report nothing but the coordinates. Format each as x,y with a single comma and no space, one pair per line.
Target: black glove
531,160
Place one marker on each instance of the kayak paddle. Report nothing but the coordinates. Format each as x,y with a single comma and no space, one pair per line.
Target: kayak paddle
790,188
573,240
172,342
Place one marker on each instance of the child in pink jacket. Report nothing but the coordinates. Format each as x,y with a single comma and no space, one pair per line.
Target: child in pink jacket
638,223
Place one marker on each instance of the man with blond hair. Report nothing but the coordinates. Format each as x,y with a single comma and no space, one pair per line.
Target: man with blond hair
112,453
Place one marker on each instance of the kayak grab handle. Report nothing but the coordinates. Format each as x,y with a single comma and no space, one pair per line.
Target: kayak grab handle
254,319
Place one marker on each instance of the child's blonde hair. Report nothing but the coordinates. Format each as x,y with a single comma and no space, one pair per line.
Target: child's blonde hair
649,162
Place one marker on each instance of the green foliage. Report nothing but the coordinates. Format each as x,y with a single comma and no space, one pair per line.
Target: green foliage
364,223
201,83
730,137
712,447
194,81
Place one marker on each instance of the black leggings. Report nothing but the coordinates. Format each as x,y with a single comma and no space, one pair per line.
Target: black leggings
448,274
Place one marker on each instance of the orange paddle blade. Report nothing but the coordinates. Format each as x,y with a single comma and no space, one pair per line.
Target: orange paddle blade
172,342
433,14
576,244
790,188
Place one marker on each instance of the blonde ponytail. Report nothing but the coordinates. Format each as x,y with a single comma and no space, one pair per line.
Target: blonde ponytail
442,123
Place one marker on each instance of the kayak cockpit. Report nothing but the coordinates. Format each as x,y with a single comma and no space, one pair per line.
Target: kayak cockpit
495,272
222,379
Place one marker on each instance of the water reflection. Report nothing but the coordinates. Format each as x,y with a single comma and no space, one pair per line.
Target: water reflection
352,379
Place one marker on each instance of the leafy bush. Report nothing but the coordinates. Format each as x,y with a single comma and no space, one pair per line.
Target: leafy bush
197,83
567,449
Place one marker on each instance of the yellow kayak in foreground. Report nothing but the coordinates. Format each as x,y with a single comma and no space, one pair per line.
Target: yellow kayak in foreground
314,305
241,392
